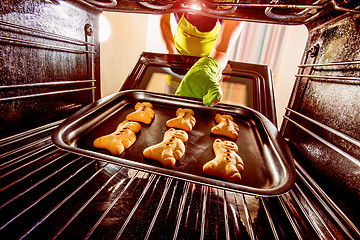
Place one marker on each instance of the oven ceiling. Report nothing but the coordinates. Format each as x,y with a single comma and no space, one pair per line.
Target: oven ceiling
266,11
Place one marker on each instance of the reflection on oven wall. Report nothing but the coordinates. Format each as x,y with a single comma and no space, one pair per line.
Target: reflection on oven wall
278,46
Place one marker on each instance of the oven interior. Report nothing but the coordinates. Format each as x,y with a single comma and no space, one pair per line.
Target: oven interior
50,69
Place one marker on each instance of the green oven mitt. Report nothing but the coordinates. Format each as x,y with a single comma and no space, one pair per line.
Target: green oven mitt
201,81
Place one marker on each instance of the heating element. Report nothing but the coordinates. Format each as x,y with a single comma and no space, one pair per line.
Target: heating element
50,69
265,11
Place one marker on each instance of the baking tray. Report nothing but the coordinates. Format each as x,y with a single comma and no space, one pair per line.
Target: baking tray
269,168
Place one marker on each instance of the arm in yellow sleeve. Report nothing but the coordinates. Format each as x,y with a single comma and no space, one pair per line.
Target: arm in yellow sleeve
229,33
166,33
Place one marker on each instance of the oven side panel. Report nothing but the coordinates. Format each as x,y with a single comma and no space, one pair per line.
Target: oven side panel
322,120
49,62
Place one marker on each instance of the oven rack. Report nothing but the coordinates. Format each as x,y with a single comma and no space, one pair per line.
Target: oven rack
60,195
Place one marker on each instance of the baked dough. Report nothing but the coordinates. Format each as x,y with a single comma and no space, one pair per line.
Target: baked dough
225,126
143,113
170,149
121,139
227,163
184,120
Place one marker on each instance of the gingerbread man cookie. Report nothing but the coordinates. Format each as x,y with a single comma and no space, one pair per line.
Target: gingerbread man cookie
143,113
227,164
121,139
184,120
170,149
225,126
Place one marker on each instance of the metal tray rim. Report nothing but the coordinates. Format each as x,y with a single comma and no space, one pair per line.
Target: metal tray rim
58,139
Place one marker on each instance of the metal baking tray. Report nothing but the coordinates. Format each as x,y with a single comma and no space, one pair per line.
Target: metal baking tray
269,168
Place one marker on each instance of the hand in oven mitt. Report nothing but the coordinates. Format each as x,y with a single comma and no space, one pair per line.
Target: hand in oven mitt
201,81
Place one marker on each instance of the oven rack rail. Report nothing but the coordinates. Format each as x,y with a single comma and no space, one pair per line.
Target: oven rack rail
52,194
333,67
23,30
47,93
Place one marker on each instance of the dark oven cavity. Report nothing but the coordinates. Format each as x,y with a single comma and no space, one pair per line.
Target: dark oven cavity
49,64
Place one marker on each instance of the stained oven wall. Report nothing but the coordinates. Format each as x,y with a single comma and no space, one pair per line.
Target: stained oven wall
49,65
322,121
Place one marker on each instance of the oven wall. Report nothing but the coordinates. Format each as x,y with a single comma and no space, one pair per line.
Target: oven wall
49,62
322,121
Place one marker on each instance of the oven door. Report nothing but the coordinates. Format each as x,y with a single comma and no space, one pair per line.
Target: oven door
243,84
247,87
